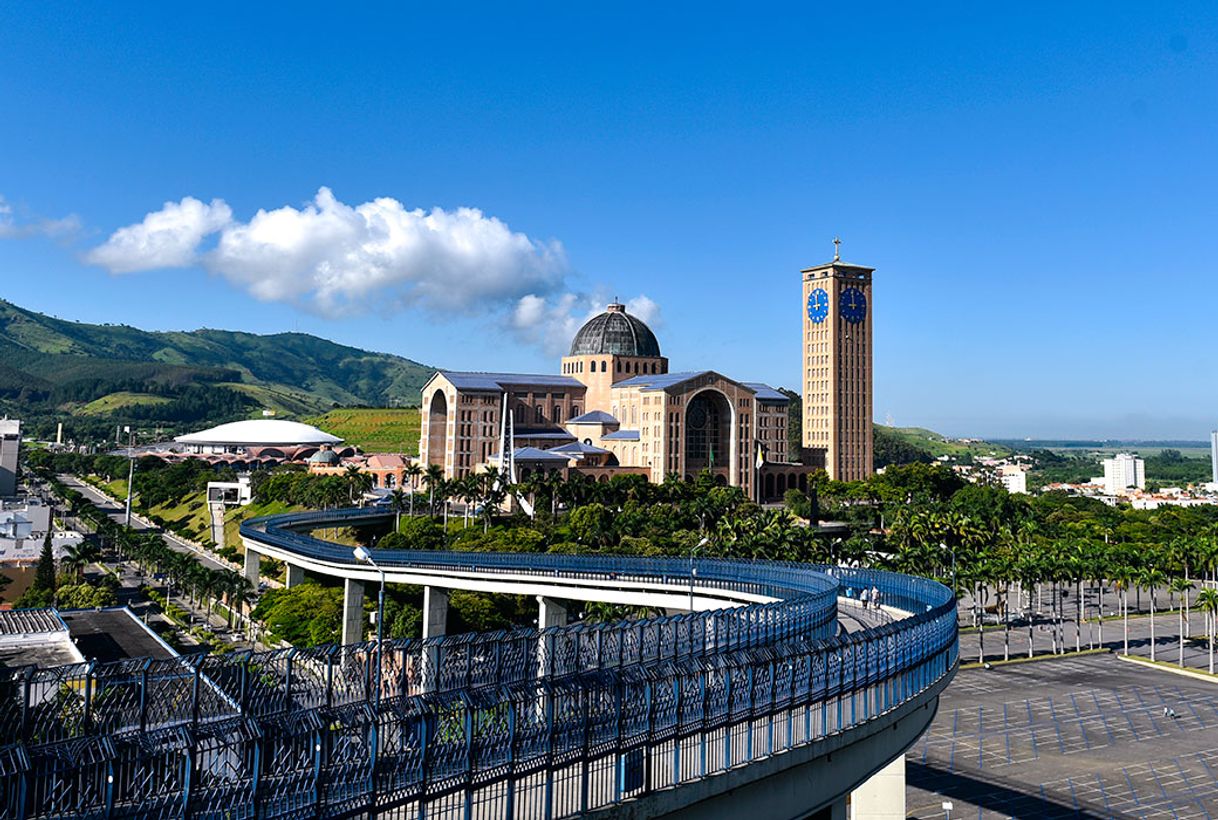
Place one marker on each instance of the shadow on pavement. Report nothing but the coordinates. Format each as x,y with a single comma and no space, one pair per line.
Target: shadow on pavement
1009,800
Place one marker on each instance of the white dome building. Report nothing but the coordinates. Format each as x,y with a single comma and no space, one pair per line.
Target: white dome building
254,436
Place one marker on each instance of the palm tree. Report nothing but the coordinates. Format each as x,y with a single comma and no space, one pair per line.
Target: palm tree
413,472
1151,578
1181,586
1123,577
1030,571
397,500
358,482
78,556
433,476
1207,600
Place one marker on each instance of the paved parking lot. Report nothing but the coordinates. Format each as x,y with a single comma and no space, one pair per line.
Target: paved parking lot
1077,737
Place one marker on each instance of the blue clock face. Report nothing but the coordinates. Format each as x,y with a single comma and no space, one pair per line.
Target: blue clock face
853,305
818,305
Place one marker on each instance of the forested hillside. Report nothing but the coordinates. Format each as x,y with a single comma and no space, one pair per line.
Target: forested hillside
93,377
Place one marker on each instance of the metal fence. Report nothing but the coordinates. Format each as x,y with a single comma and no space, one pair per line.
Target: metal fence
522,723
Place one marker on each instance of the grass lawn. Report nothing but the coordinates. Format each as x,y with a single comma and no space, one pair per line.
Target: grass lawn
374,430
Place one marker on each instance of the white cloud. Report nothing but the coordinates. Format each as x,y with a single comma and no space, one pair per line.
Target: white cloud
12,228
168,238
337,259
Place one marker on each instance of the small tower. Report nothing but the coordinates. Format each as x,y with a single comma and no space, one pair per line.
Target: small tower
609,348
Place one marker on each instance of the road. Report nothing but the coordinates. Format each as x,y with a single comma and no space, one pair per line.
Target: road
131,578
117,512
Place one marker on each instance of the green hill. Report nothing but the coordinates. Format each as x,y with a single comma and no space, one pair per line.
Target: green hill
374,430
95,376
937,444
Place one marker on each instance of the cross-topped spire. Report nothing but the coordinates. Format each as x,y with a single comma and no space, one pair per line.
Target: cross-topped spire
837,249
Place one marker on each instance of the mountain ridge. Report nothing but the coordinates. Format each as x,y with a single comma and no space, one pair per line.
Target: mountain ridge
51,367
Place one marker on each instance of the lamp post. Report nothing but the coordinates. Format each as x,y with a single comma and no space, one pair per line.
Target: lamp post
952,551
693,572
130,473
361,554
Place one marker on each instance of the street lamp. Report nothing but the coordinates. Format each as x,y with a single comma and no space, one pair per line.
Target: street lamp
951,550
130,473
362,554
693,572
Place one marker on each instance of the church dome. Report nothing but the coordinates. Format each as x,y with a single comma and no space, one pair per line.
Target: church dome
615,333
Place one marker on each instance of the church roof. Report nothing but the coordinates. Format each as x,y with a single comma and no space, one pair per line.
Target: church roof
766,393
594,417
533,454
498,382
615,333
621,435
578,448
660,381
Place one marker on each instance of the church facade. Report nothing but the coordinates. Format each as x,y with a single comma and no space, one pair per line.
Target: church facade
615,407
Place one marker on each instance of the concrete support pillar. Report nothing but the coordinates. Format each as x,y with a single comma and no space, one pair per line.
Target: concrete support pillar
550,613
217,524
435,612
353,611
882,796
435,625
294,577
251,566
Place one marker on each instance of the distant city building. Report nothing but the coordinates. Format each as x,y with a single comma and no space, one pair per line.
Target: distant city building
837,373
10,447
1014,477
1214,456
1122,472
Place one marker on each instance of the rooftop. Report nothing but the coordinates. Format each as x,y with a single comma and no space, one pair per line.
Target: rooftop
594,417
578,448
260,432
621,435
615,333
765,392
533,454
498,382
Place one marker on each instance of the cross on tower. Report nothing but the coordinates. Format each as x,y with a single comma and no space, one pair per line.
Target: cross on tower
837,249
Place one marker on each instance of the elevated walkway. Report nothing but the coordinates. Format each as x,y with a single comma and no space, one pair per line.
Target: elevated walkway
751,684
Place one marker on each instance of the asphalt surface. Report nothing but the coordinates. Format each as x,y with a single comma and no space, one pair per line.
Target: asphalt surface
1083,736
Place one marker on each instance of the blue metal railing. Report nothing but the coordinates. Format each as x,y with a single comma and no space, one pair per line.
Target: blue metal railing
522,723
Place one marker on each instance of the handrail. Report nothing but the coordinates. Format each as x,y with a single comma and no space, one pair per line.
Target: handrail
520,723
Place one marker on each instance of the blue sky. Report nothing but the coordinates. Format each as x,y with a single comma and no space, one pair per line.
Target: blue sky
1034,187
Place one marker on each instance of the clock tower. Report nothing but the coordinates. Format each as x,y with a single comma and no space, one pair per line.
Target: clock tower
837,366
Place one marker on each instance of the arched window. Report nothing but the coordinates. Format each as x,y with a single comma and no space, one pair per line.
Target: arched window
574,410
617,365
541,413
604,366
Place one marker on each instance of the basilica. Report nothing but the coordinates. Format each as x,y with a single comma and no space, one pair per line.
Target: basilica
614,408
